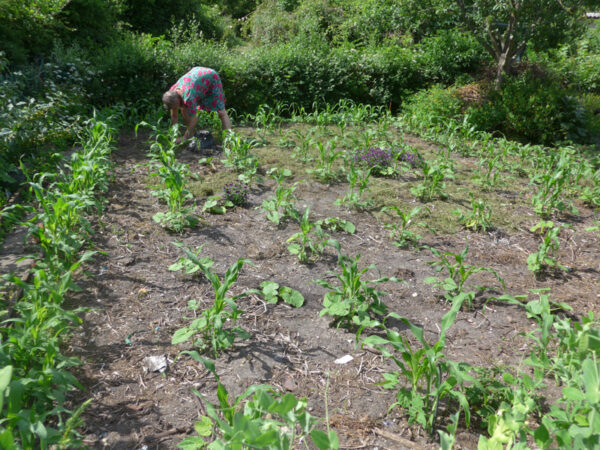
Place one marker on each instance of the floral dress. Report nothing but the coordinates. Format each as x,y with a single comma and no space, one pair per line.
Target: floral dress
201,89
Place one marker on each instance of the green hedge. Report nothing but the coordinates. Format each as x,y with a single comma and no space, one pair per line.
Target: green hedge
141,67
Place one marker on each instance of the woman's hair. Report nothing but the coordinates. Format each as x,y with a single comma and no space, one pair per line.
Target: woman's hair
170,99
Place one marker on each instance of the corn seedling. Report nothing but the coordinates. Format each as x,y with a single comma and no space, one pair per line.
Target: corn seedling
478,218
552,181
35,376
258,418
302,150
172,175
433,185
431,377
354,301
237,151
281,205
488,172
309,243
399,232
543,260
323,170
356,178
458,273
208,332
590,194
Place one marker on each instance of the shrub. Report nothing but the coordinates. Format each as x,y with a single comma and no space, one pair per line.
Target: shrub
450,54
157,17
434,106
40,112
532,108
27,27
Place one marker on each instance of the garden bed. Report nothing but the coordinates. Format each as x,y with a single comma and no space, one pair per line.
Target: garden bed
136,304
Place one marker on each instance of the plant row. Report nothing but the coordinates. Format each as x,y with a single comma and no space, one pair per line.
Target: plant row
36,377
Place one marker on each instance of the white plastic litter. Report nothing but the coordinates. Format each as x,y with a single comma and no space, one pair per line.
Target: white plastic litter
344,359
155,363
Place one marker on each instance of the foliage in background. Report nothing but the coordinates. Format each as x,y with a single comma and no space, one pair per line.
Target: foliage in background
533,108
40,113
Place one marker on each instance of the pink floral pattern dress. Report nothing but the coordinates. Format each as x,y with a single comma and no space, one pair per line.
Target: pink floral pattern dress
201,89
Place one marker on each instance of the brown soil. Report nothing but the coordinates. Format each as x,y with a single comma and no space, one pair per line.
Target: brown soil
137,304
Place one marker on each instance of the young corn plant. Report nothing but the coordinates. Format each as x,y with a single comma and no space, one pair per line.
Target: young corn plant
309,243
90,167
258,418
478,218
356,178
433,186
59,225
208,328
354,300
399,232
281,206
552,183
458,273
306,141
324,170
36,377
590,193
488,172
237,151
264,120
430,375
173,190
543,260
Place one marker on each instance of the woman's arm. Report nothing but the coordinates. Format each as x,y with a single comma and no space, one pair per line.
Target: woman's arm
174,116
191,126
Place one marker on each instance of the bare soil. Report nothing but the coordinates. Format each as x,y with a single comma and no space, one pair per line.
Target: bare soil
136,304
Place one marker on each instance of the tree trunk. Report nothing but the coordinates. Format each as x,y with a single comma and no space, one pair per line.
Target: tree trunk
504,64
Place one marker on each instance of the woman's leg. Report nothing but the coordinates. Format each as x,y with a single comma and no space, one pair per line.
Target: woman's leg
225,122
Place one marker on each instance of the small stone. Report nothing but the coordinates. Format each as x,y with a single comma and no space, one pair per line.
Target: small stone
128,260
289,384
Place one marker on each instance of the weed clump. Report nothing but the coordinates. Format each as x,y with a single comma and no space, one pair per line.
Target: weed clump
237,193
382,161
